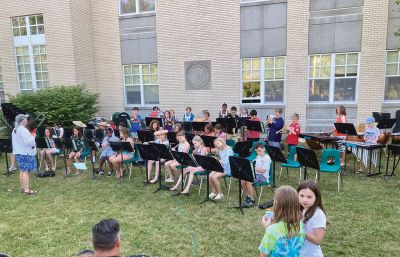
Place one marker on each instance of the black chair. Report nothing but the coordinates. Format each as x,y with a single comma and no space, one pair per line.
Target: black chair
396,128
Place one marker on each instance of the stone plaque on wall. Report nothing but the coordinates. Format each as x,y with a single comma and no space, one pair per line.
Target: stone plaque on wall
198,75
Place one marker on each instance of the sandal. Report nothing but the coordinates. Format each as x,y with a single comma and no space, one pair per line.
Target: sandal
30,192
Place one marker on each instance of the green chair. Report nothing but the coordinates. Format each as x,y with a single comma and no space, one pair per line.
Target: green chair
267,183
134,159
334,154
291,163
231,143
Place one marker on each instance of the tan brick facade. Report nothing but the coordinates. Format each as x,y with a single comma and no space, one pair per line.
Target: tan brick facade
190,30
297,59
372,58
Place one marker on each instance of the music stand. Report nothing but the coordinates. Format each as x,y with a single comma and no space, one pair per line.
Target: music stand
208,164
67,133
187,126
386,123
42,143
145,135
162,152
184,159
208,141
227,123
189,138
150,119
6,147
199,126
241,170
171,136
308,159
116,133
276,155
242,121
147,153
91,144
346,128
243,148
254,125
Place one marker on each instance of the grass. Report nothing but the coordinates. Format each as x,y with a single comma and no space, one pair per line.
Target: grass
364,217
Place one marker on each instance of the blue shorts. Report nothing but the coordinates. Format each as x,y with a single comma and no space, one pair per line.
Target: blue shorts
26,162
260,178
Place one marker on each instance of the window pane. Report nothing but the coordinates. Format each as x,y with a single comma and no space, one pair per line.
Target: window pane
33,30
391,69
314,72
269,74
154,79
351,71
23,31
246,75
326,72
319,90
22,21
246,64
274,91
279,74
352,59
393,56
269,63
251,89
151,94
392,88
315,60
128,6
146,69
32,20
340,71
136,79
135,69
280,62
146,79
326,60
41,29
16,32
127,70
147,5
345,89
14,22
256,64
256,75
128,80
154,69
340,59
133,95
39,19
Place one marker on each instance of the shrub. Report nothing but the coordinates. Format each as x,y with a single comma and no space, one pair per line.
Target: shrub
63,103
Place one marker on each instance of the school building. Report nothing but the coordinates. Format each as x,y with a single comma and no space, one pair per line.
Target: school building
304,56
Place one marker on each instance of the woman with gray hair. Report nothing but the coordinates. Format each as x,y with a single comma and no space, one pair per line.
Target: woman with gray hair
24,148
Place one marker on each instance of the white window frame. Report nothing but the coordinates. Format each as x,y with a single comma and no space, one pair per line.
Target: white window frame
141,86
332,80
30,41
262,82
137,9
386,76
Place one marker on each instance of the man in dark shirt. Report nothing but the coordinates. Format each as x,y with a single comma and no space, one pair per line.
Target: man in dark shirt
275,124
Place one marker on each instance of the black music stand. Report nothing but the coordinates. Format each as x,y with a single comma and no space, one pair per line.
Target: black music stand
254,125
116,133
243,148
208,164
242,121
276,155
171,136
199,126
308,159
67,133
189,138
346,128
208,141
147,153
6,147
145,136
184,159
162,152
187,126
241,170
150,119
227,123
386,123
91,144
41,143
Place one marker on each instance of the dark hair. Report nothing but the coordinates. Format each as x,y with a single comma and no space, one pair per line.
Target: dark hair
124,131
152,123
224,105
207,113
85,253
279,110
109,130
253,112
218,126
342,110
296,115
155,108
135,108
189,108
209,127
57,123
233,108
105,234
122,124
51,131
180,134
79,131
309,184
259,145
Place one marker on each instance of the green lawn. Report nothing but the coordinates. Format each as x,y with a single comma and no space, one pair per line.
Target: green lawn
364,217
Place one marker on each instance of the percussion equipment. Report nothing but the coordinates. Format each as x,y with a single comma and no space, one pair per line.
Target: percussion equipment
367,153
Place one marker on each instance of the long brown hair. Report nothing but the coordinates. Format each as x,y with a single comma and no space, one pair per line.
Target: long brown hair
309,184
342,110
124,131
151,125
51,131
287,209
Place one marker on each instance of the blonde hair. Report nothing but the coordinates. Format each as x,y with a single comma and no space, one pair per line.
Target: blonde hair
221,140
287,209
198,139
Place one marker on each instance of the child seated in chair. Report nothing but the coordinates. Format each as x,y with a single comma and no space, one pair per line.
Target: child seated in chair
171,166
107,151
49,133
161,139
263,164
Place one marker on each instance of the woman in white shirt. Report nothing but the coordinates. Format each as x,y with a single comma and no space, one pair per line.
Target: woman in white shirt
24,148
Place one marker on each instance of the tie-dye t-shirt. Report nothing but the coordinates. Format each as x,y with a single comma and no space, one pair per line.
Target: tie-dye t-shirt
276,242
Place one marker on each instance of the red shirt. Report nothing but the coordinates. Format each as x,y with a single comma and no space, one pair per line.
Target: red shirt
293,138
252,133
340,119
154,114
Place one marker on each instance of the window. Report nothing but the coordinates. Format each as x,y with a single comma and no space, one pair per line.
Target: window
333,77
30,52
141,84
392,82
2,96
136,6
263,80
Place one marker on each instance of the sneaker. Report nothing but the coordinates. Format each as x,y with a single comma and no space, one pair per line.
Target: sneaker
219,196
101,173
12,169
249,202
212,196
110,173
169,180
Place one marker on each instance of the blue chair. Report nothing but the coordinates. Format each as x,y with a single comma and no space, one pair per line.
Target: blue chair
267,183
334,154
231,143
291,163
134,159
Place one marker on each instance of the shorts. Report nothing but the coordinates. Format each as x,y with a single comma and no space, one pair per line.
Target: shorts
275,144
260,178
26,162
341,144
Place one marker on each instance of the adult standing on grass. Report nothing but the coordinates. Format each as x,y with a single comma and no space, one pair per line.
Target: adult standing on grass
24,148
